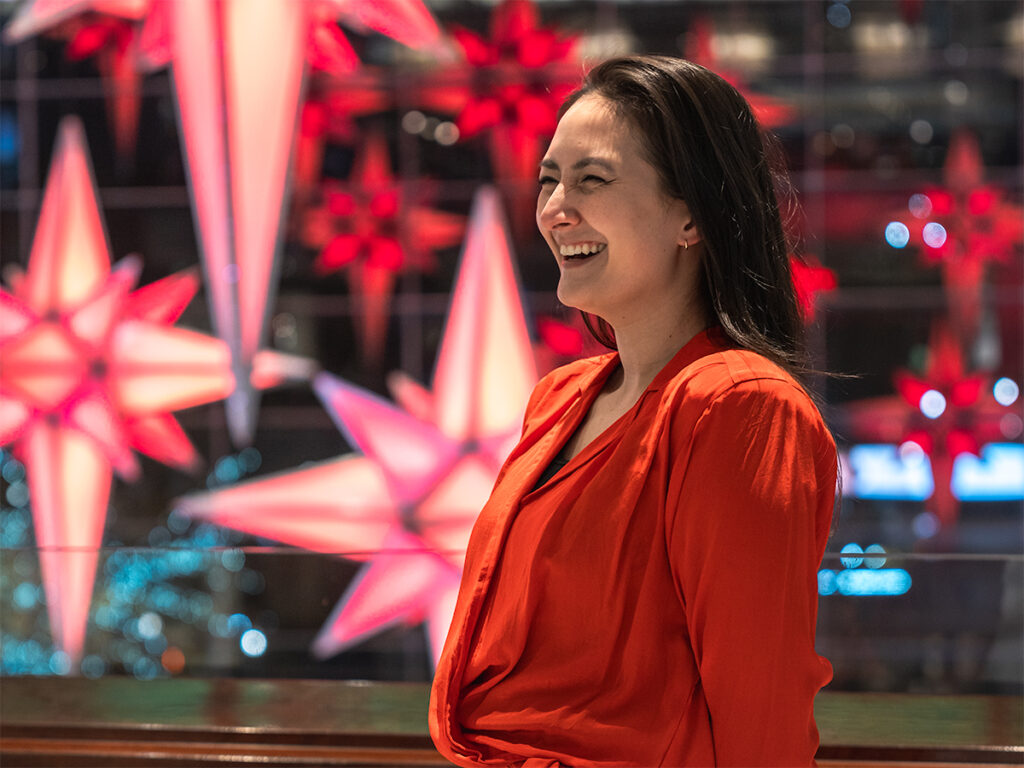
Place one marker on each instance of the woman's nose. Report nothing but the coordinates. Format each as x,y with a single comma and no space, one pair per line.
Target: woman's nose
557,209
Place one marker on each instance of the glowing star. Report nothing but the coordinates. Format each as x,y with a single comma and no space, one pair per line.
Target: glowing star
770,112
943,413
962,227
371,229
408,502
90,372
810,279
238,73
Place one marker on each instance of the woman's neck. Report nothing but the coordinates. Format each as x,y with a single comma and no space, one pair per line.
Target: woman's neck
646,347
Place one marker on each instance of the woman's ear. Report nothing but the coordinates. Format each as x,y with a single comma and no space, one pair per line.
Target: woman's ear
688,232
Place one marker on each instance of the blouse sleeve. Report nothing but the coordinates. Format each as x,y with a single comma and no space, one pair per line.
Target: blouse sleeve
749,511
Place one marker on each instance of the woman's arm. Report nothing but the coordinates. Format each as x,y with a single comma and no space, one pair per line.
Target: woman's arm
750,505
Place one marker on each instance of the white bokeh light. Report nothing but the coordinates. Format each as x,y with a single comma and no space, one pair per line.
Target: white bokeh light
932,404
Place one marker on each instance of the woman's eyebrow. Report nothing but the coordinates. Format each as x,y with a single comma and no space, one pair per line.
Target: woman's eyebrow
581,163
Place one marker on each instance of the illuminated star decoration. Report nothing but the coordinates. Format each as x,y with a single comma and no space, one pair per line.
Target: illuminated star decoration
238,73
962,227
769,111
810,279
408,502
510,86
943,413
371,229
90,372
106,30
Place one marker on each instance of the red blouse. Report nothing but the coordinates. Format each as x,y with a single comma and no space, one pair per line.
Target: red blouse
653,603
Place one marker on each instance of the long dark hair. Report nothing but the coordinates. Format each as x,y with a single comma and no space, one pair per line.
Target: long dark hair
701,136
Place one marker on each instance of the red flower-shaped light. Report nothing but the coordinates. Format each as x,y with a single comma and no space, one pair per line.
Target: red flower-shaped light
409,501
91,370
943,412
963,226
510,86
369,228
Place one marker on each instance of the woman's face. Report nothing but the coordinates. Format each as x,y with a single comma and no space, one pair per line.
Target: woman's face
617,237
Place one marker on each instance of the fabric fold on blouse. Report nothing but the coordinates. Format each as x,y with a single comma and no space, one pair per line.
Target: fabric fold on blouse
654,602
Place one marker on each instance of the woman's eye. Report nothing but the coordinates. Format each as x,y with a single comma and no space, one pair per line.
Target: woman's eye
594,179
545,180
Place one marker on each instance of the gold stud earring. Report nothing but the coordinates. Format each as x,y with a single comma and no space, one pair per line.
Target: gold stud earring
686,245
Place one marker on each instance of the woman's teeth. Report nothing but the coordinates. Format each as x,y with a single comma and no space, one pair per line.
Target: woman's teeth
586,249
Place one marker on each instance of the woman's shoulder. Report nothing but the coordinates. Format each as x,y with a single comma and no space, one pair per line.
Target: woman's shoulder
739,378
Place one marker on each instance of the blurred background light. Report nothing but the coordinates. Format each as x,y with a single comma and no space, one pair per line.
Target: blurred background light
897,234
863,583
880,472
934,234
849,550
1005,391
997,475
932,404
253,643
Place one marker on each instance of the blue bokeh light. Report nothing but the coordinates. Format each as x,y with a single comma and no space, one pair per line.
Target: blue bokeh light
849,549
884,581
897,234
874,562
60,663
93,666
925,525
891,472
827,582
25,596
253,643
233,559
838,15
997,475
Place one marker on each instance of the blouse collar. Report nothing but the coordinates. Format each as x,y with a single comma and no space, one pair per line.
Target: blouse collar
707,342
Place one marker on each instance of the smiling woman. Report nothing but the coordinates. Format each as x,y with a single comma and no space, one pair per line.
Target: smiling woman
641,587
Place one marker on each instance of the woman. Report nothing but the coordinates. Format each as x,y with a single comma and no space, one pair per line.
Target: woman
641,587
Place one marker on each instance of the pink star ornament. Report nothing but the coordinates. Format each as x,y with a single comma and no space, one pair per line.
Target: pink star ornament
407,501
91,371
238,69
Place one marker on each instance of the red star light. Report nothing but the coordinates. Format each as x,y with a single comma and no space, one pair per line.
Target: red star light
91,370
510,86
238,73
370,229
943,412
407,502
963,226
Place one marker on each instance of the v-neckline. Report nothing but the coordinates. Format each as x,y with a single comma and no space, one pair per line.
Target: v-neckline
707,341
574,420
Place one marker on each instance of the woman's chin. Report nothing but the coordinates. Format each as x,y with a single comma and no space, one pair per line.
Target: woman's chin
575,298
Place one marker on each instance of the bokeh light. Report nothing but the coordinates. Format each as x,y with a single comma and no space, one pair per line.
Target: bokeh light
851,549
934,234
253,643
876,561
932,404
897,234
1005,391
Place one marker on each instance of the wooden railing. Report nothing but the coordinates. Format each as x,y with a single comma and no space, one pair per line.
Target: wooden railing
114,722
